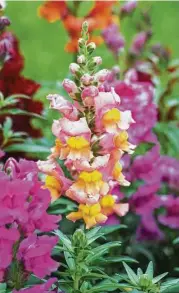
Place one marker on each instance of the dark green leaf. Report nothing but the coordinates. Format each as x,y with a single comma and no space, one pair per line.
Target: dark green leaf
142,148
109,229
20,112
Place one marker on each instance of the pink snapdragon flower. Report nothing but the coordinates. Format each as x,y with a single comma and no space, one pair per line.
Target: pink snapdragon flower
8,238
108,116
65,128
35,252
65,107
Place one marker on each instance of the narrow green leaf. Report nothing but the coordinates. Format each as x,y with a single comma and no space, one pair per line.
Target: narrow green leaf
132,276
20,112
93,232
171,286
65,240
139,272
27,148
119,259
176,241
69,260
158,278
150,270
109,229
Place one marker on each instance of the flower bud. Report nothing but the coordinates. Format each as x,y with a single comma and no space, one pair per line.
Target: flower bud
88,95
81,43
97,60
11,167
4,21
102,75
129,6
81,59
87,79
79,239
74,68
91,47
70,86
85,26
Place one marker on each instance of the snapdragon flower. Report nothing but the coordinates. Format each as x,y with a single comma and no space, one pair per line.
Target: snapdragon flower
82,141
23,214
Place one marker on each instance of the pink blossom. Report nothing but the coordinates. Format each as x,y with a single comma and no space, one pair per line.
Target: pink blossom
88,95
35,252
70,86
64,128
65,107
106,102
139,42
170,217
87,79
8,238
42,288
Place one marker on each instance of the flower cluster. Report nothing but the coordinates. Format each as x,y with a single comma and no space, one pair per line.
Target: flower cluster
23,205
91,138
99,16
12,82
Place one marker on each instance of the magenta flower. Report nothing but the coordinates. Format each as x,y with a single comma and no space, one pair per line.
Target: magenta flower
113,39
129,6
8,237
35,252
139,42
42,288
171,216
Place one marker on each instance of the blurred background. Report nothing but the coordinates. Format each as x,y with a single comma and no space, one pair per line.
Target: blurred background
43,44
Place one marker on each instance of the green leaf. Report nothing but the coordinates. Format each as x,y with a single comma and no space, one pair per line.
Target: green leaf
139,272
7,127
84,8
101,250
176,241
167,286
64,239
119,259
20,112
132,276
69,260
109,229
150,270
142,148
107,287
3,288
92,232
158,278
27,148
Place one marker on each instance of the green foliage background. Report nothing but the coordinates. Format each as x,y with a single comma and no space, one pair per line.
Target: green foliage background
43,43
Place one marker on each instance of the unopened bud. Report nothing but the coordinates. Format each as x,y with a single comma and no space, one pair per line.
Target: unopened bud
102,75
79,239
97,60
81,43
74,68
91,47
87,79
81,59
85,26
4,21
70,86
88,95
11,167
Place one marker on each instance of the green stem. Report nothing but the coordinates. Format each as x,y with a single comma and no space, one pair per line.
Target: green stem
76,283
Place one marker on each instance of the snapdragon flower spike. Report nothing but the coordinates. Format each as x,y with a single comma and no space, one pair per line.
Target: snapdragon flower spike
91,138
